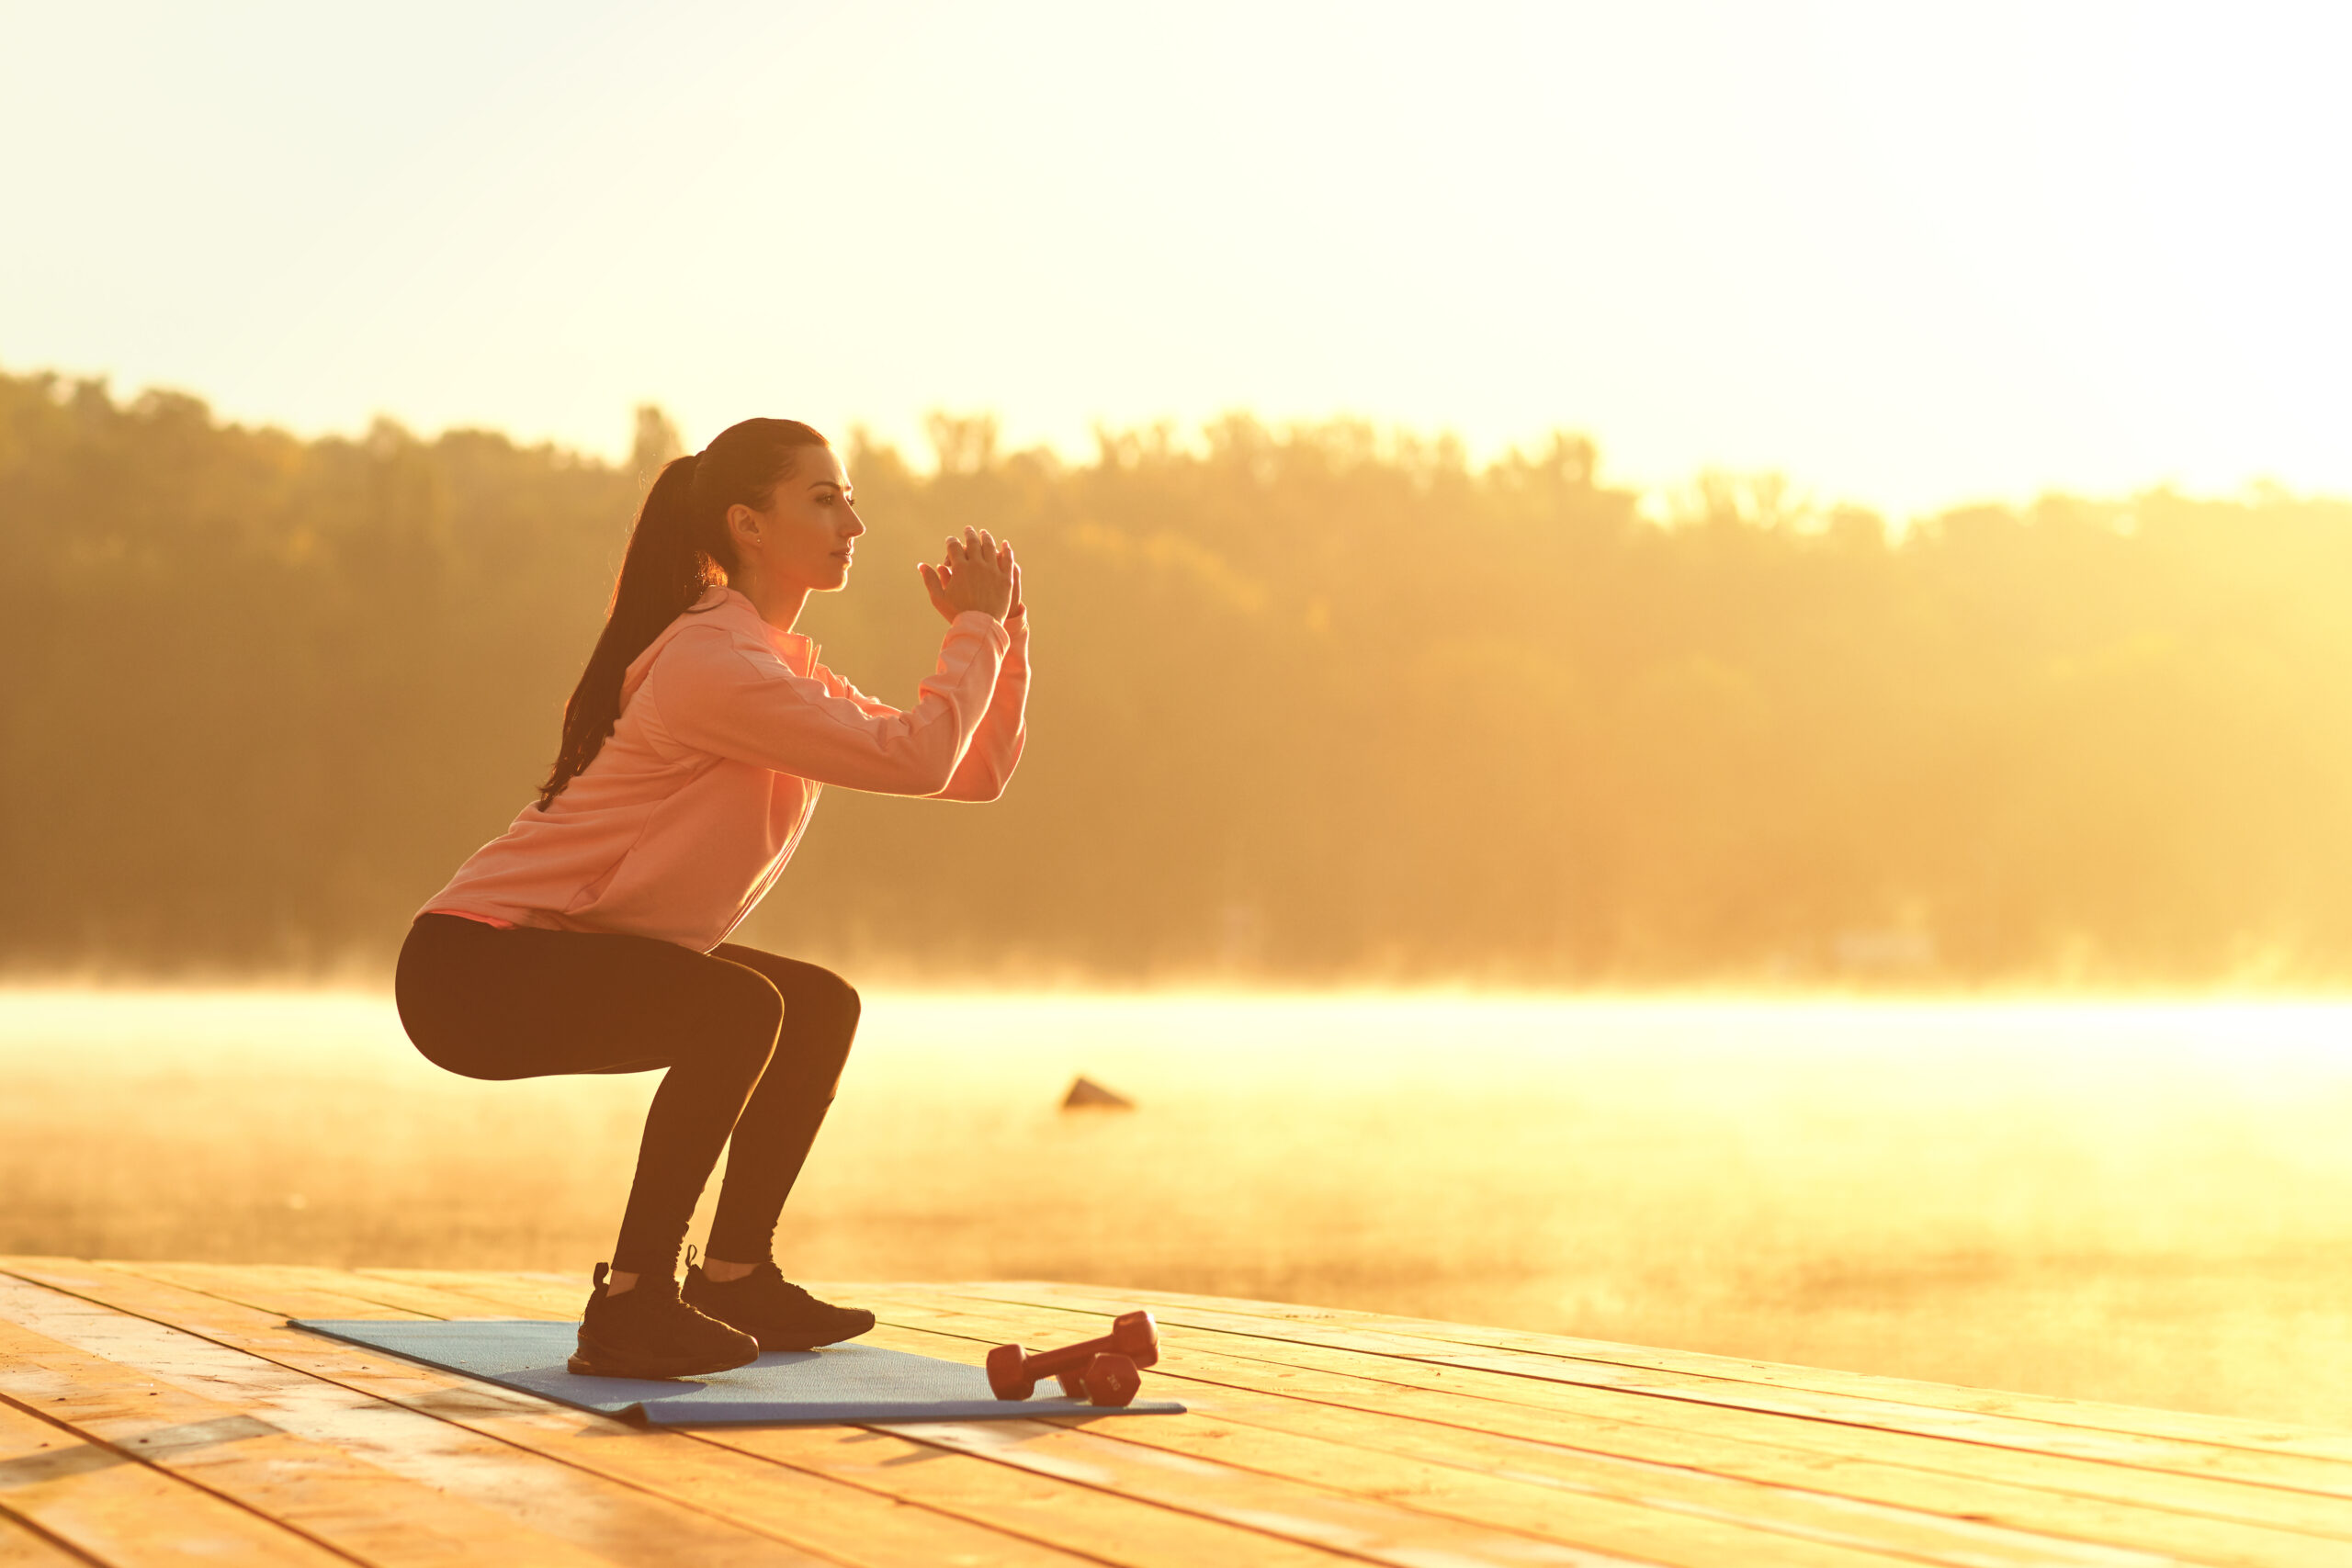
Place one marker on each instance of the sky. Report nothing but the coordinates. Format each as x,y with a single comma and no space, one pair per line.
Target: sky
1910,256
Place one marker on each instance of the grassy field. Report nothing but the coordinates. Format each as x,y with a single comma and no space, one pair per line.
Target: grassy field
2145,1202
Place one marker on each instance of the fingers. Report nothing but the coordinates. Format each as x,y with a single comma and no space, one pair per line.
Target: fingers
934,585
978,548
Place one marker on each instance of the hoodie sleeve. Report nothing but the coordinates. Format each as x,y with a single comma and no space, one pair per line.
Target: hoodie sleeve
995,749
714,693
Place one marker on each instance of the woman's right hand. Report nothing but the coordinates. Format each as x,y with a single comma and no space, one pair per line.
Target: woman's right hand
976,574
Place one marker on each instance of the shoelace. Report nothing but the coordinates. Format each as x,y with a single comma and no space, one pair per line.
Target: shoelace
799,1295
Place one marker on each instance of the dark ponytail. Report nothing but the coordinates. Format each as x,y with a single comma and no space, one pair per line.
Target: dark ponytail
679,548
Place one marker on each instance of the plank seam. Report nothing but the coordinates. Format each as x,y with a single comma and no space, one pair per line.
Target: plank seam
622,1480
719,1442
1805,1382
2148,1511
2006,1534
633,1484
1371,1374
1692,1396
33,1529
910,1432
176,1478
904,1434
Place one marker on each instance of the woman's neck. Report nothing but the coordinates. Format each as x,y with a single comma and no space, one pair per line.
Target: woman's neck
779,605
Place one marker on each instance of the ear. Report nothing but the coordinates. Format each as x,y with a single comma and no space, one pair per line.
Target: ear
742,524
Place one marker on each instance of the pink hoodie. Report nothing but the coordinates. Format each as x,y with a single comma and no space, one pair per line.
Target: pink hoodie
728,730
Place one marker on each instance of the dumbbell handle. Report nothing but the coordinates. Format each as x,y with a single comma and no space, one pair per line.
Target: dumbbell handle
1014,1371
1138,1341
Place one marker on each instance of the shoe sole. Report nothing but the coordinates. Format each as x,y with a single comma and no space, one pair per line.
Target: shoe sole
597,1361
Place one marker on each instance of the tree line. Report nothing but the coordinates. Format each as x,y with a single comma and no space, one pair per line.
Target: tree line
1317,703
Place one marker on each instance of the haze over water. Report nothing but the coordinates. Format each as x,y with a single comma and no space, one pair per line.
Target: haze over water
2142,1202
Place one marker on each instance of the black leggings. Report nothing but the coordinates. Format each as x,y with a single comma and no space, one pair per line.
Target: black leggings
753,1043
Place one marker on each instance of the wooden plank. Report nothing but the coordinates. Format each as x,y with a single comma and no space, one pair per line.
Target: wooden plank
1673,1515
1926,1535
2174,1456
1047,1509
531,1295
893,1502
110,1507
358,1509
1284,1409
1670,1514
2084,1501
418,1298
424,1438
1207,1516
1137,1507
1927,1516
2053,1495
2276,1437
849,1525
22,1546
1376,1513
467,1281
2218,1522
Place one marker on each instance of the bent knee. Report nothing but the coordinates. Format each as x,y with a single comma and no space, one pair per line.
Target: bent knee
748,1014
821,999
826,1009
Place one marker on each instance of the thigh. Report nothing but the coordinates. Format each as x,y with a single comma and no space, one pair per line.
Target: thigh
823,997
525,1003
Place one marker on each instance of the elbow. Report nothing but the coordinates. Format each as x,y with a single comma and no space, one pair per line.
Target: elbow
936,778
969,789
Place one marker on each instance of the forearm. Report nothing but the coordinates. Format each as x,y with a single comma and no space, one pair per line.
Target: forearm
996,746
718,701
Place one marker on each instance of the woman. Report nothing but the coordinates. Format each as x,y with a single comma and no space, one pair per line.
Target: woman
590,937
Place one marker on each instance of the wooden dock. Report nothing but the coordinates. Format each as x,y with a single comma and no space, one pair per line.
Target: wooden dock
155,1413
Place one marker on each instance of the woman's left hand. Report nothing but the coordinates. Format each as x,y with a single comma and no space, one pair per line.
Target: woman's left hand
935,579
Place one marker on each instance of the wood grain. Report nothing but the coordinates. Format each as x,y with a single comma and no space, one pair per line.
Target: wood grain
166,1413
2047,1495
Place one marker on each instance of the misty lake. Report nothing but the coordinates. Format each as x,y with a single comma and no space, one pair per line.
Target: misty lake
2142,1202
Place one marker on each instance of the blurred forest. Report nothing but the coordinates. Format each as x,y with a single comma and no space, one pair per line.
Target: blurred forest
1313,704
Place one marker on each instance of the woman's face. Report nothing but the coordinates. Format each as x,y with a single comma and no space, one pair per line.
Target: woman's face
806,538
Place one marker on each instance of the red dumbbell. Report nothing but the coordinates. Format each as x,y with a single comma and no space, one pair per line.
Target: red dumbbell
1109,1379
1132,1344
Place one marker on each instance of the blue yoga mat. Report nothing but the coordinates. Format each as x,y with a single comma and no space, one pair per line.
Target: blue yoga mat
847,1383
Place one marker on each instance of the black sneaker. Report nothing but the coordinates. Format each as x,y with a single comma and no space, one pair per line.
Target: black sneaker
781,1314
647,1331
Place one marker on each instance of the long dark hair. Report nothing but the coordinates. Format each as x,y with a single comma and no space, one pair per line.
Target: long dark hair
679,547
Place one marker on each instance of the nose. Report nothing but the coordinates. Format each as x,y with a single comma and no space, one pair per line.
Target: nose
856,524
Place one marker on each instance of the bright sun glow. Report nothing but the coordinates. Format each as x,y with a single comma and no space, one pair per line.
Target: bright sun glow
1909,256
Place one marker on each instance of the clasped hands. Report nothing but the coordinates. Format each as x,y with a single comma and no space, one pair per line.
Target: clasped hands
977,573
